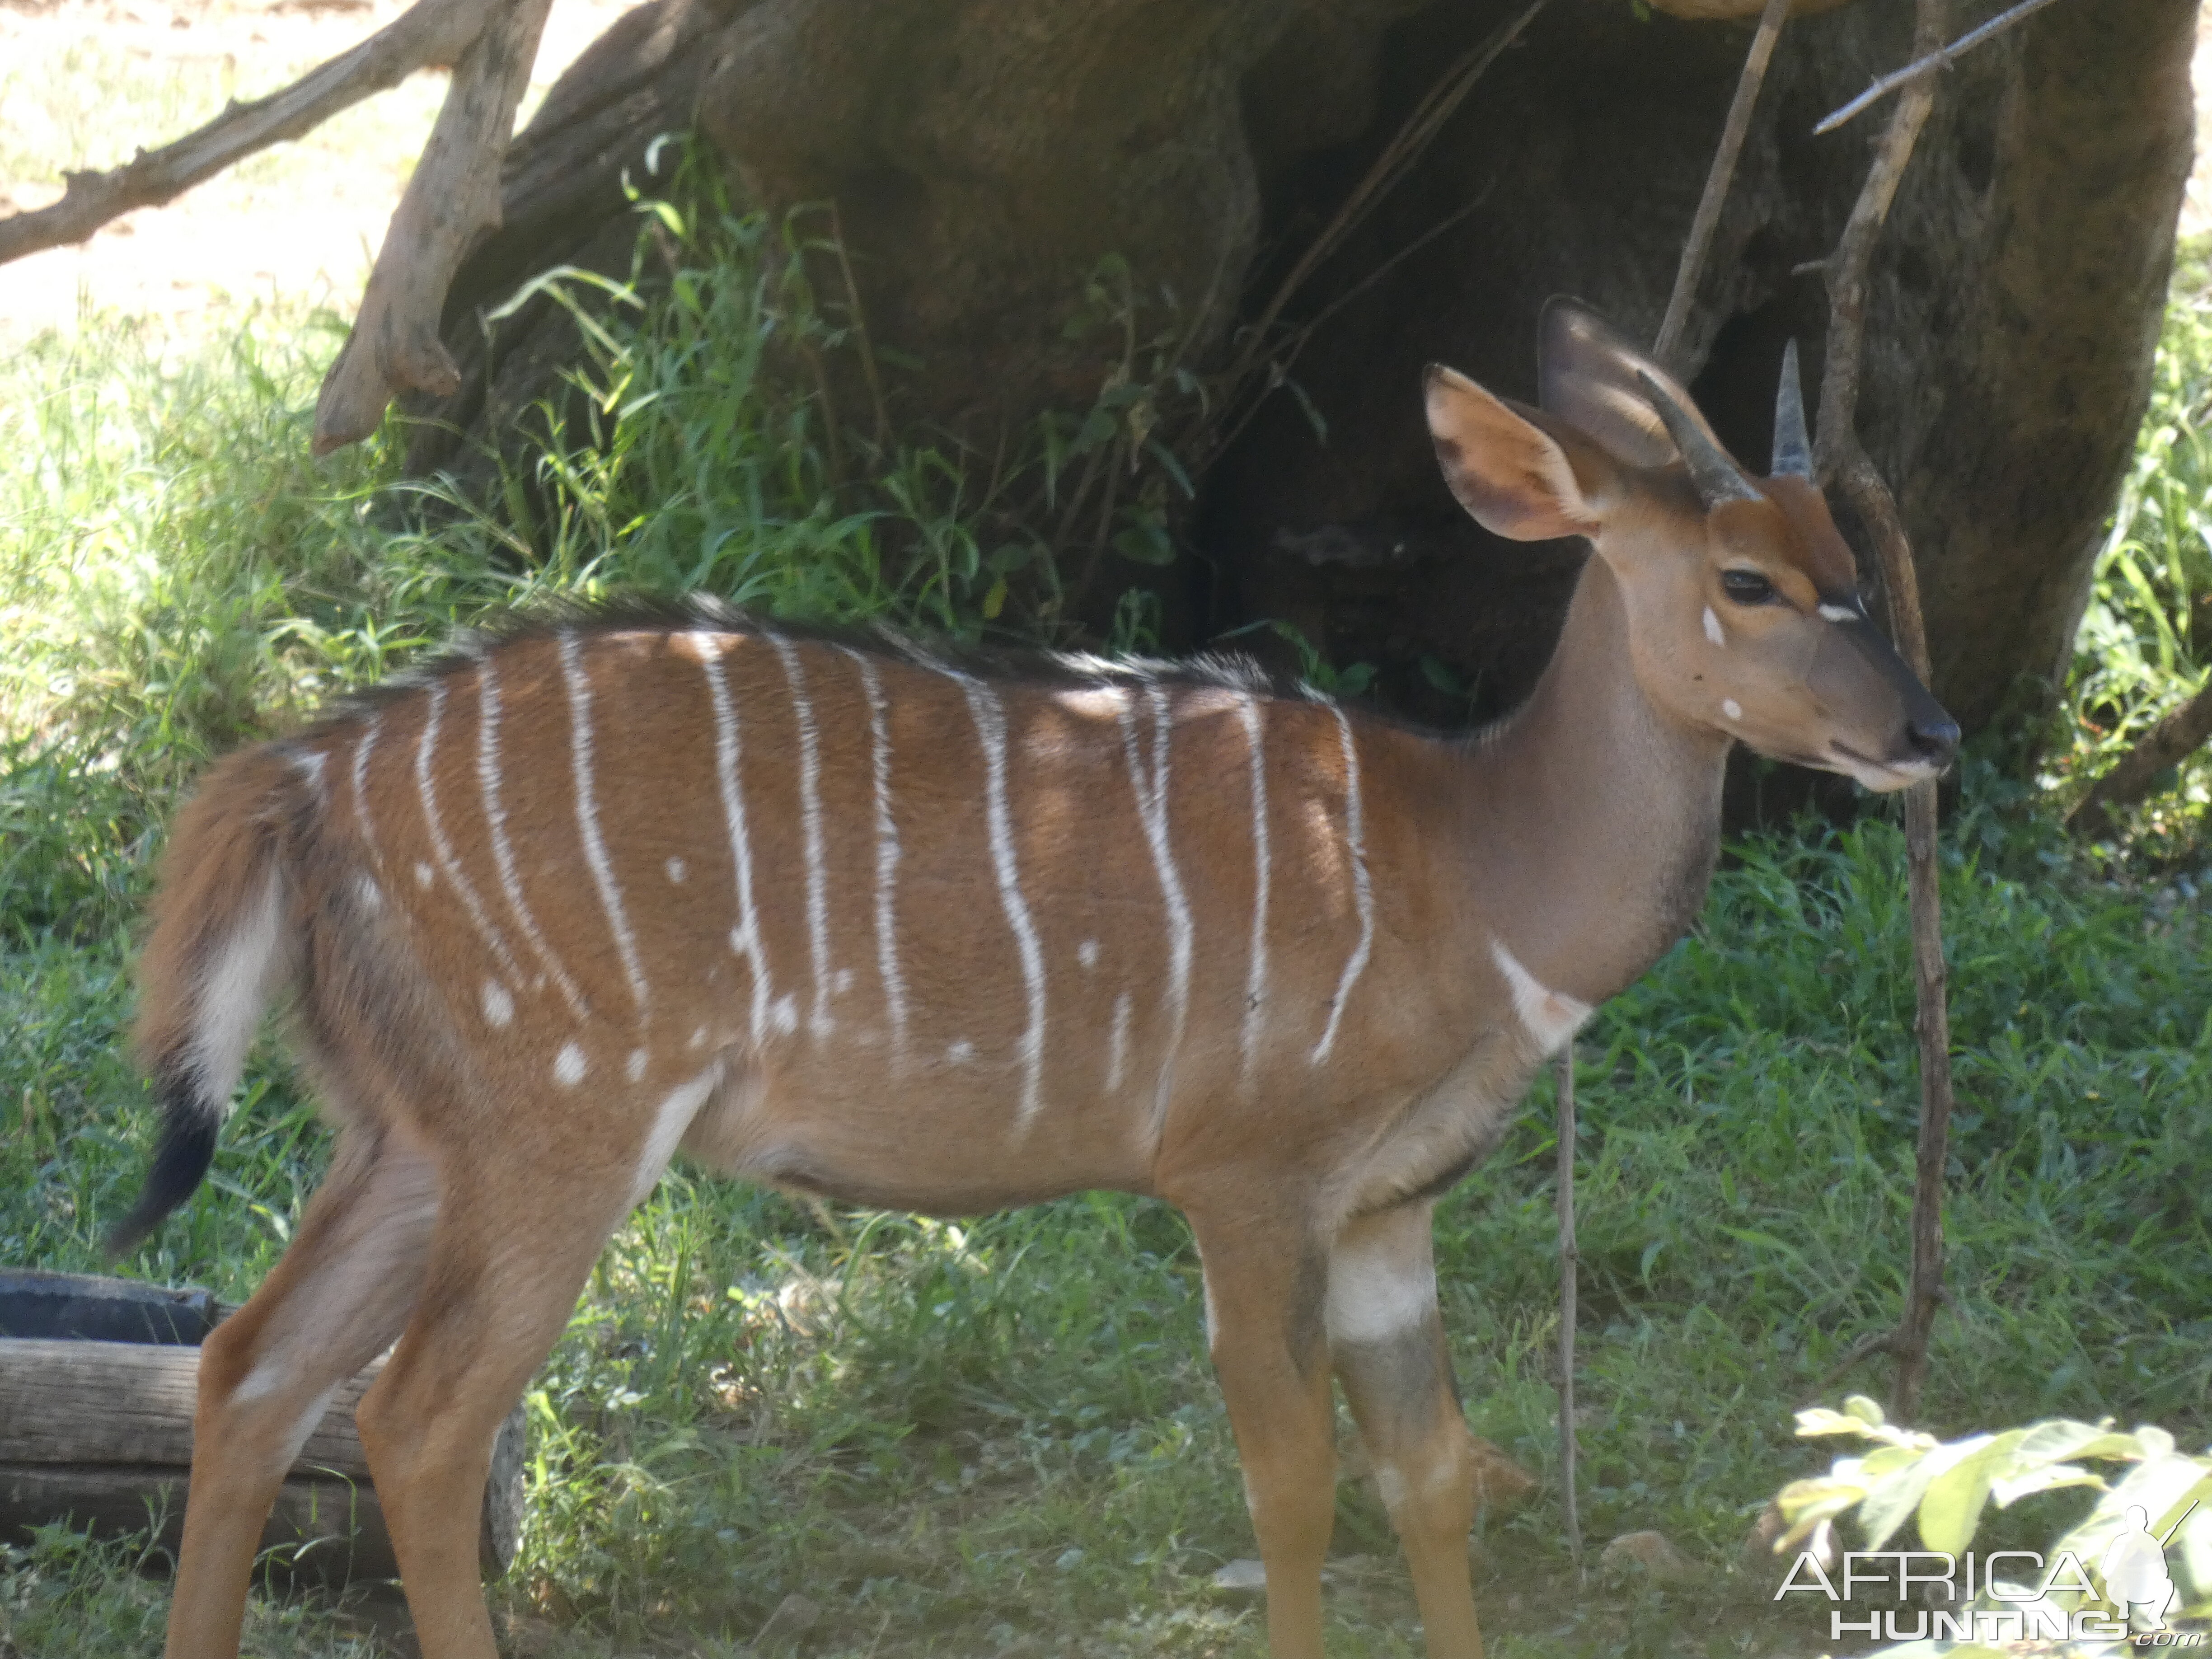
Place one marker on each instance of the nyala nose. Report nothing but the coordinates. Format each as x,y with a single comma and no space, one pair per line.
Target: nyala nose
1934,739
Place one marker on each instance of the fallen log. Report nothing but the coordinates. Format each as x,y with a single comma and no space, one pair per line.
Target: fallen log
99,1434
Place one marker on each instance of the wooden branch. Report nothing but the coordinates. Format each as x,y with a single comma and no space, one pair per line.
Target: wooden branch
451,201
432,33
1927,64
2173,740
1722,171
1570,1265
1839,459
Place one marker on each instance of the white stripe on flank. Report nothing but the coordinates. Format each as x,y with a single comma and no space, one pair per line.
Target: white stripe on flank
502,851
587,818
1363,896
810,812
1117,1052
1152,813
310,763
887,857
991,731
360,751
746,940
494,941
1255,974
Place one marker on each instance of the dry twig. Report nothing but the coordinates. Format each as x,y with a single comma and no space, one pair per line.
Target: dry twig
2173,740
1927,64
434,33
1569,1265
451,201
1839,459
1722,171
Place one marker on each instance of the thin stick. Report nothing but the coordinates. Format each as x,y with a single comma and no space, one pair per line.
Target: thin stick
1942,57
1840,458
1570,1261
434,32
1717,180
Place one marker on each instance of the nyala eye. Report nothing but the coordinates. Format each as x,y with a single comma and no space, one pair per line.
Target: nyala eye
1746,586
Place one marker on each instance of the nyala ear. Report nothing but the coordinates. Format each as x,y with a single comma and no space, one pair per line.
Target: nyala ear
1514,477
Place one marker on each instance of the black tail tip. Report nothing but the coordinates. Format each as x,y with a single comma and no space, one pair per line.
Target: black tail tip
180,1162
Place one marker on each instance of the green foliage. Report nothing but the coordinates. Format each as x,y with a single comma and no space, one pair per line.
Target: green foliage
1943,1489
2146,638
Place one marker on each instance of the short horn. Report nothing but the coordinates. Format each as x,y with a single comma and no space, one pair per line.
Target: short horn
1718,478
1793,444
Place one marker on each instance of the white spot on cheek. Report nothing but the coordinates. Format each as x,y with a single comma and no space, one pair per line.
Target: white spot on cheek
1373,1298
1840,613
635,1068
1551,1017
1732,708
1087,953
498,1006
676,871
961,1052
568,1067
424,874
1713,630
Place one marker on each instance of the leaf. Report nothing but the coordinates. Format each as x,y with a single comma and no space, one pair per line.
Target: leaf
1952,1507
995,600
1145,543
1865,1410
2052,1477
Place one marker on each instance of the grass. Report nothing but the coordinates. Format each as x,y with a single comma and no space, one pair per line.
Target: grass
1002,1438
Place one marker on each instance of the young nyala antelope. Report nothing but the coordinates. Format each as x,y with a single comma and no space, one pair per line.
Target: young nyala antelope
852,921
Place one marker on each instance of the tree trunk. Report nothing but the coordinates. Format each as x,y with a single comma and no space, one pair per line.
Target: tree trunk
985,154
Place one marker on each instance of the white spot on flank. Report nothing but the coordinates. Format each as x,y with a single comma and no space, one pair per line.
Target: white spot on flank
991,734
1732,708
1841,613
579,686
810,812
1087,953
842,981
310,763
1152,814
425,786
372,895
698,1038
568,1066
1363,896
669,1120
1117,1047
961,1052
1551,1017
489,785
498,1005
887,857
676,871
1374,1294
424,875
1256,972
785,1016
745,937
634,1068
1713,630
